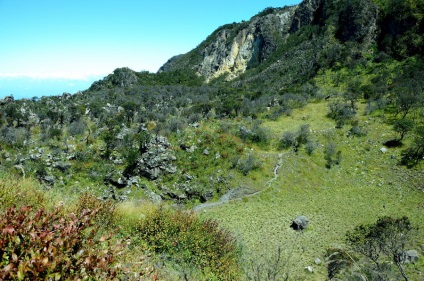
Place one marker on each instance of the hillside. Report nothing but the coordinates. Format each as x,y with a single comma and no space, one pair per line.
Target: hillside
314,109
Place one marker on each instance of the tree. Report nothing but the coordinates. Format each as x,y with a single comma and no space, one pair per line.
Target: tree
409,97
415,153
403,126
353,93
382,241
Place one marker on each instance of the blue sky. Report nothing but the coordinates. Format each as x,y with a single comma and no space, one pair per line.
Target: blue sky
82,40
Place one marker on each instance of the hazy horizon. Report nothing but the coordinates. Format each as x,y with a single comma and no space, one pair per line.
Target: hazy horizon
51,40
27,87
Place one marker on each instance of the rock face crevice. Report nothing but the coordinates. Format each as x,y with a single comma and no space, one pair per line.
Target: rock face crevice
234,50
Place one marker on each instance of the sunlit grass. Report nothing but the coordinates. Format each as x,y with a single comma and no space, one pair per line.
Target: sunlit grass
366,185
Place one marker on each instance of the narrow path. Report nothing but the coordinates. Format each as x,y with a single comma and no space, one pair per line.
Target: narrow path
227,197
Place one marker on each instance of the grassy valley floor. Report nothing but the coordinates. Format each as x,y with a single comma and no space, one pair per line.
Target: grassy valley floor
367,184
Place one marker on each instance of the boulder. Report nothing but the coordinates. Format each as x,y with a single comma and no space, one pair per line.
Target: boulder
62,166
300,223
7,99
157,160
48,180
410,256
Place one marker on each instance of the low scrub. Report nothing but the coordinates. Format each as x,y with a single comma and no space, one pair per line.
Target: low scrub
191,242
43,245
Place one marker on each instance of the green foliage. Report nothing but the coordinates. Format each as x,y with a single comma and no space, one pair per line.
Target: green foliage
341,112
356,130
15,136
191,241
401,25
105,210
385,240
289,139
332,156
296,139
17,192
76,128
39,245
415,153
403,126
246,164
338,260
256,134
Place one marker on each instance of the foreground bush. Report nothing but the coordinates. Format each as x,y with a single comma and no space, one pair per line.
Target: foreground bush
42,245
192,242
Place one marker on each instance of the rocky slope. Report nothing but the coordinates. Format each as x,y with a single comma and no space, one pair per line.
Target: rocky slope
235,48
291,44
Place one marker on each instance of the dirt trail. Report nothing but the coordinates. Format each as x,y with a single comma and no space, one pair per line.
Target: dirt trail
234,194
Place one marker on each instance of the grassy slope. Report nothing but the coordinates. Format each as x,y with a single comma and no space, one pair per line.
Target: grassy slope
367,184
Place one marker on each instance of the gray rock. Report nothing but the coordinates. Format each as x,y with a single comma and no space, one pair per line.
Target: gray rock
118,161
310,269
48,179
300,223
35,156
157,160
7,99
154,197
62,166
71,157
410,256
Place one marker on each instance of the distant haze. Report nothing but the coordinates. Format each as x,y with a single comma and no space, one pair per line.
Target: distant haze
25,87
76,40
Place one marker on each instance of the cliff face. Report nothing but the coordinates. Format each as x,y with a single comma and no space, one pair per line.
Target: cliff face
235,48
233,51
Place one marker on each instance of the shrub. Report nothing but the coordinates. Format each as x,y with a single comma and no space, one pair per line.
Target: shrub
77,127
247,164
382,242
403,126
415,152
310,147
257,134
338,260
289,139
105,209
45,245
15,136
190,241
357,131
295,139
303,134
16,191
331,155
341,113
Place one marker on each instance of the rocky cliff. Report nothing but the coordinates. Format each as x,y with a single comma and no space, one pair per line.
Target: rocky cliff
235,48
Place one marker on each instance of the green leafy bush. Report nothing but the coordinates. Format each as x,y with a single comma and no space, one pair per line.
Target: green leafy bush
295,139
338,260
412,155
42,245
341,112
383,242
191,241
331,155
246,164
